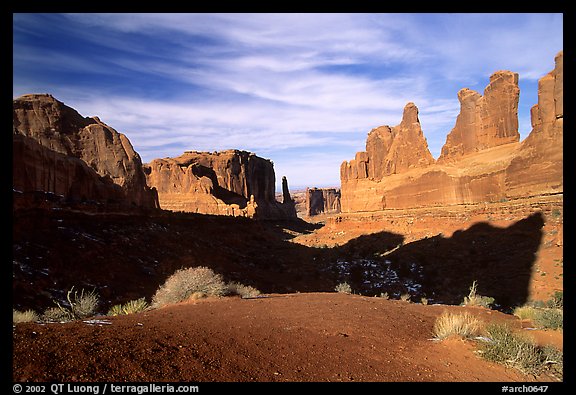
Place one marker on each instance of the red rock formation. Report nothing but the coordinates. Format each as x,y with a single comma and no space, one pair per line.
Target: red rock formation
485,121
322,200
391,150
538,166
232,182
481,161
57,150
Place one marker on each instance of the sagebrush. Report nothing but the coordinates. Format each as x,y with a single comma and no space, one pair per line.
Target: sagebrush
245,291
511,349
184,283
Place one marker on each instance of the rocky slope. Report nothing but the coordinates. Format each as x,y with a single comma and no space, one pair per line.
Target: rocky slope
56,150
232,182
481,161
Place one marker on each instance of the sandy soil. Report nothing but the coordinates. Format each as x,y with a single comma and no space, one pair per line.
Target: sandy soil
295,337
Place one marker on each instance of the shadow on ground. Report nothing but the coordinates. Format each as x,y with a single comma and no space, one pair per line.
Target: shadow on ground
126,257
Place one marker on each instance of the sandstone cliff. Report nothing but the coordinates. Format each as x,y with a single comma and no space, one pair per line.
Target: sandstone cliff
57,150
322,200
482,160
391,150
485,121
231,182
538,165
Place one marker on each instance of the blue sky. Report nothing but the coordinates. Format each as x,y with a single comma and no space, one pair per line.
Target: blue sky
300,89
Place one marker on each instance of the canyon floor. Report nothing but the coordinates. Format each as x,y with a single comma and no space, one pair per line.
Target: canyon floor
301,330
281,337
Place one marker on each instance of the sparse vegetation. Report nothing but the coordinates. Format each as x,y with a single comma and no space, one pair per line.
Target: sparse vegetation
82,305
131,307
245,291
57,314
343,288
549,319
405,297
24,316
384,295
505,347
184,283
544,315
454,324
556,301
473,299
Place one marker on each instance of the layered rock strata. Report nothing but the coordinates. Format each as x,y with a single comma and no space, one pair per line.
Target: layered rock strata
232,182
56,150
482,160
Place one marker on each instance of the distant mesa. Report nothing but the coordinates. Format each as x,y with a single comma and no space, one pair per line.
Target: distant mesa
57,151
232,182
481,161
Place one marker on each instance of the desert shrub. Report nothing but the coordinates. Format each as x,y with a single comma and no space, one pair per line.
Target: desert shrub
473,299
131,307
245,291
541,317
405,297
186,282
463,325
556,301
505,347
554,361
24,316
83,305
384,295
424,300
57,314
549,319
343,288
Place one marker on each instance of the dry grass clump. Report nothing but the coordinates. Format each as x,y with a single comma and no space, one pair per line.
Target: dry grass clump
83,305
24,316
456,324
131,307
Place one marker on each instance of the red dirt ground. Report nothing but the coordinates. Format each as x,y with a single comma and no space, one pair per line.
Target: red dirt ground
294,337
